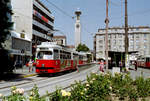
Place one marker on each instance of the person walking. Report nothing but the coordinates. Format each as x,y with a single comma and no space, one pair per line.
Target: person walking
120,65
101,66
30,64
135,64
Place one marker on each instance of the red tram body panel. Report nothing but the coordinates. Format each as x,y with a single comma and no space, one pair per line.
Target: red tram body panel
53,66
144,62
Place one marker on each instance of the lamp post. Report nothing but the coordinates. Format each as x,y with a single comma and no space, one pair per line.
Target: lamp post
126,37
106,36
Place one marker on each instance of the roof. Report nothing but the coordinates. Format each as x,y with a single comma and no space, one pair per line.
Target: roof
63,36
50,45
130,27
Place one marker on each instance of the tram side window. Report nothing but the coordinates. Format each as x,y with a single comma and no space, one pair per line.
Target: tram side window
80,57
75,57
68,55
56,54
143,59
147,59
61,55
65,55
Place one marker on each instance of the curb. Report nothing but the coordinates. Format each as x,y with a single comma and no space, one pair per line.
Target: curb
28,75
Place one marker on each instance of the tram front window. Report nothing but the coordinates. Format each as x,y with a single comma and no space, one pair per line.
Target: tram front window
44,55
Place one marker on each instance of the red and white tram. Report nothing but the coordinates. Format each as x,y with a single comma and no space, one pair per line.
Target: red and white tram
52,58
143,61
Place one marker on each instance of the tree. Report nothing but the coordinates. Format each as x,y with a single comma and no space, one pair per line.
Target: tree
82,47
5,26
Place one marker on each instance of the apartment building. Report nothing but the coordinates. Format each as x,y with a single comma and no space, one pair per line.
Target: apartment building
33,24
139,41
43,23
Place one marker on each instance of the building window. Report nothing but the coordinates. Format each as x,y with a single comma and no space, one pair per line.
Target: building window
137,37
145,40
100,41
20,44
101,47
120,36
137,41
39,29
137,46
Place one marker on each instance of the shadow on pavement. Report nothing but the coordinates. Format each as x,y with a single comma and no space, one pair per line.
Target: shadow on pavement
12,76
56,74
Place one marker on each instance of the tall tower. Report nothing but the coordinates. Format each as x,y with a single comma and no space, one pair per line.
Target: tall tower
77,29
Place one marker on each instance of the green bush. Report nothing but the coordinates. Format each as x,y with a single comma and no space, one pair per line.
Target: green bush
143,87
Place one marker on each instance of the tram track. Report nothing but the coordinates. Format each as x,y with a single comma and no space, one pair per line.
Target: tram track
50,82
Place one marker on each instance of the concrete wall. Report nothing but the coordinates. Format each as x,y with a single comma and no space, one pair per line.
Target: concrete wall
22,16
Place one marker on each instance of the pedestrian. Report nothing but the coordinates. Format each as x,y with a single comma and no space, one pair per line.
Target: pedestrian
120,65
135,64
15,65
30,64
101,66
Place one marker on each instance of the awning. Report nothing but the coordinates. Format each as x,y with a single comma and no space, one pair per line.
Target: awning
18,52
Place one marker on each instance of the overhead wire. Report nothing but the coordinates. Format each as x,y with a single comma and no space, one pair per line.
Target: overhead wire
85,29
130,15
65,13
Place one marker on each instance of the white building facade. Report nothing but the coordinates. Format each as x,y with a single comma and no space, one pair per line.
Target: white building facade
33,24
139,41
20,42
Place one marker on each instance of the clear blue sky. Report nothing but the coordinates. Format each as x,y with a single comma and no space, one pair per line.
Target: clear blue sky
93,16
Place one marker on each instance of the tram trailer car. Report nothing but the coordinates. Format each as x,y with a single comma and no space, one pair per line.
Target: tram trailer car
52,58
82,58
144,62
